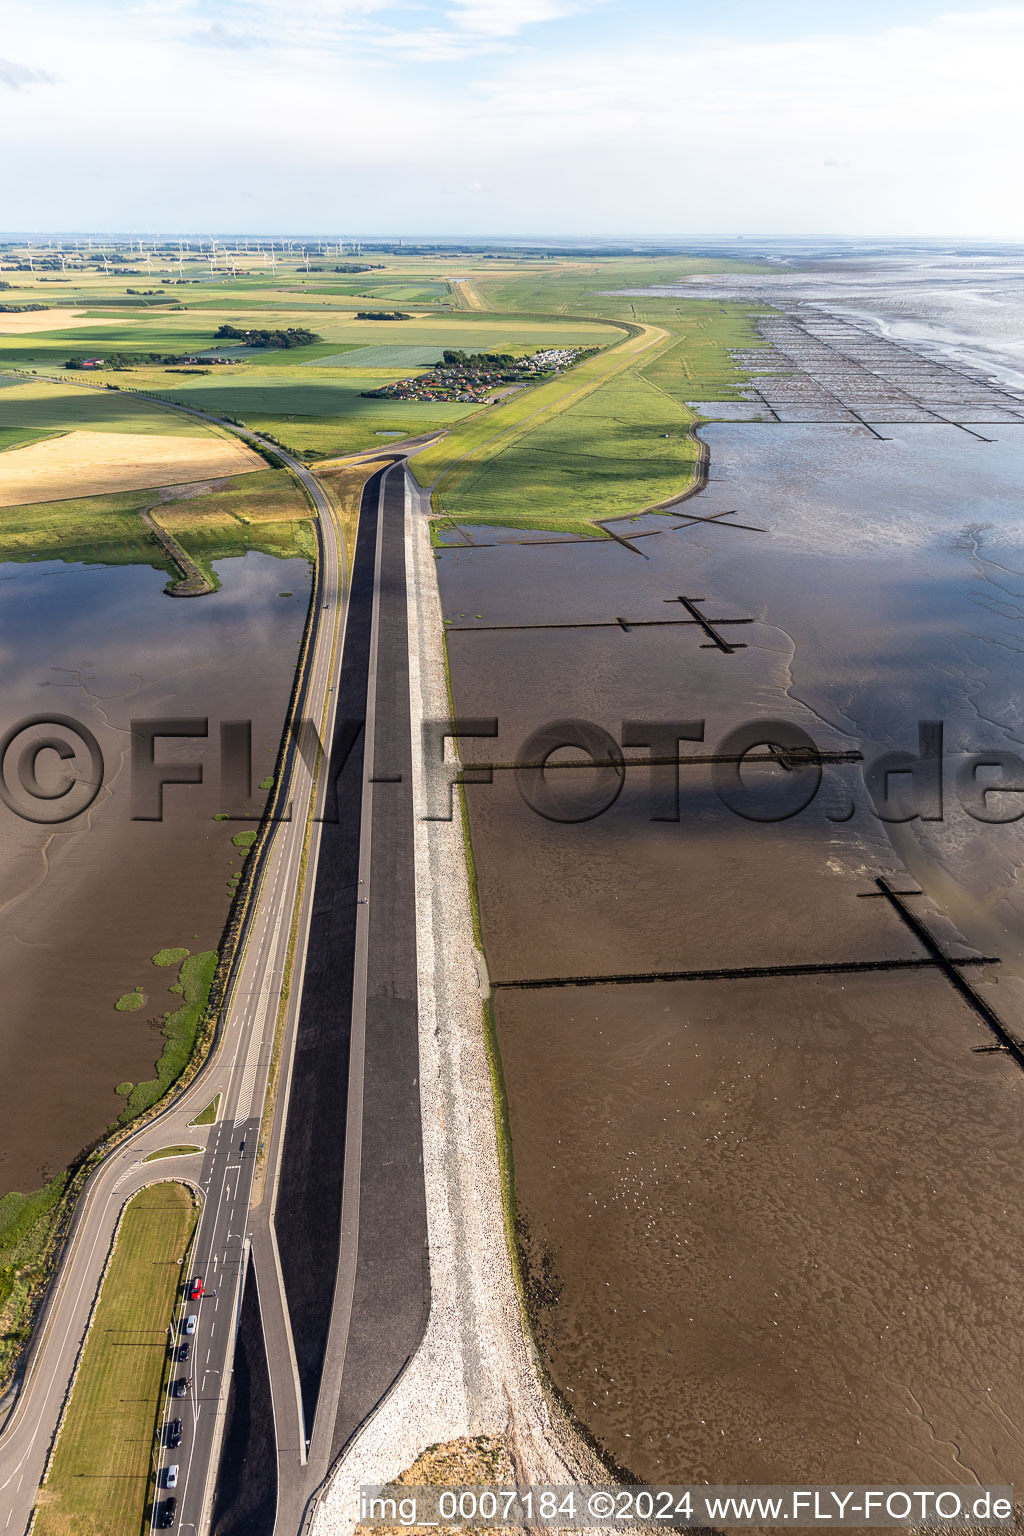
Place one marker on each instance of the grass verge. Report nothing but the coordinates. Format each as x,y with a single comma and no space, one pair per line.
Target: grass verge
207,1116
29,1225
99,1481
182,1151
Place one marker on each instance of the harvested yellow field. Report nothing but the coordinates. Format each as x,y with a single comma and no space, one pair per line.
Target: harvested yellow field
48,320
90,463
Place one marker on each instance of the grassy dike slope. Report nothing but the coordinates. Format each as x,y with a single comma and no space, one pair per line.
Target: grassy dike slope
609,438
478,444
100,1477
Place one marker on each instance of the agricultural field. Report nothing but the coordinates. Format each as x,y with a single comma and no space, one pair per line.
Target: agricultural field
609,457
315,414
89,463
100,1478
57,407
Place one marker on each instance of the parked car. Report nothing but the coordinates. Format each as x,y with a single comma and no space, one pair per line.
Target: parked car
181,1386
171,1476
197,1288
191,1323
168,1510
174,1434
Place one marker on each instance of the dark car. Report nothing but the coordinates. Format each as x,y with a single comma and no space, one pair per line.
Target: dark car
168,1510
180,1387
183,1350
174,1433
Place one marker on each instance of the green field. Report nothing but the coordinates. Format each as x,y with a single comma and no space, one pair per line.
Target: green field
100,1480
606,454
56,407
509,462
20,437
391,357
320,415
490,433
627,445
264,511
578,287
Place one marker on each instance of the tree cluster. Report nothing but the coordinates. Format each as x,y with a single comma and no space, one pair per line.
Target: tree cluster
294,336
476,362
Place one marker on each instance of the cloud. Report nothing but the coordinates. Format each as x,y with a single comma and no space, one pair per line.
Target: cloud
14,76
219,36
362,113
504,18
998,19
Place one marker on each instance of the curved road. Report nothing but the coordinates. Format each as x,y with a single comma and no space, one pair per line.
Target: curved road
238,1071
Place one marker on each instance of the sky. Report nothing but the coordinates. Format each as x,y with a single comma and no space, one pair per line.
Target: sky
517,118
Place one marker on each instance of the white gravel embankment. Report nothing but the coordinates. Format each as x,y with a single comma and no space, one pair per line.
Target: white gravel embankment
475,1372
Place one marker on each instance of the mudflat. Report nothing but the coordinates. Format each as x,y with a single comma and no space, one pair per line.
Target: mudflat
768,1213
87,904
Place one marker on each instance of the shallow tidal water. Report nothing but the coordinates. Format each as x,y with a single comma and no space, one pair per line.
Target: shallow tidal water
769,1222
86,905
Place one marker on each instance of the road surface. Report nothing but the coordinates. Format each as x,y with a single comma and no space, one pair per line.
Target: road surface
238,1071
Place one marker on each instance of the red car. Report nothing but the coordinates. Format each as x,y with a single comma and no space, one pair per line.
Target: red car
197,1288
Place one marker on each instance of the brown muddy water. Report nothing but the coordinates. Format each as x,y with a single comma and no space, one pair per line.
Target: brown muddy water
85,906
770,1222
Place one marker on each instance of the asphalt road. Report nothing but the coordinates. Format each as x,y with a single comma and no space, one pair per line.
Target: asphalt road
372,1277
238,1070
359,1015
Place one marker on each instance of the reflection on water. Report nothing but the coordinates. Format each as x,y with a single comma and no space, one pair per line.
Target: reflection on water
86,906
769,1223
